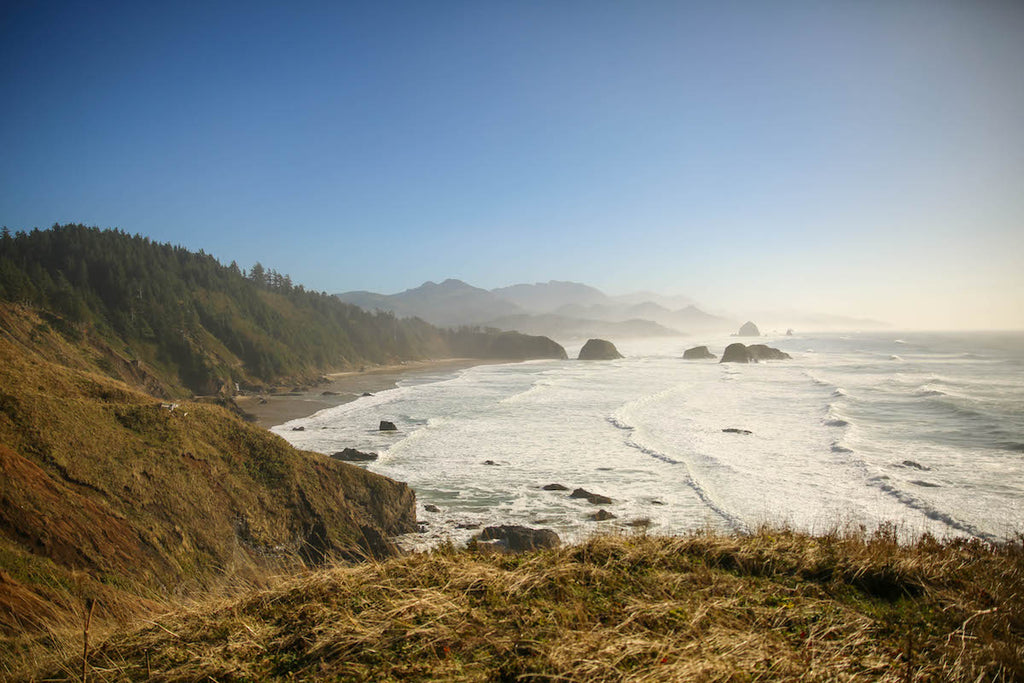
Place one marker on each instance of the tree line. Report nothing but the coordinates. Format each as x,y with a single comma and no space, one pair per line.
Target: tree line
204,324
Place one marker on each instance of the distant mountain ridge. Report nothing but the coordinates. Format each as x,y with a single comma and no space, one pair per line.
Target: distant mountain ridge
554,308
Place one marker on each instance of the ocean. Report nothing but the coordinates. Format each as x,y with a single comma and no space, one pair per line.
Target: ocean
921,430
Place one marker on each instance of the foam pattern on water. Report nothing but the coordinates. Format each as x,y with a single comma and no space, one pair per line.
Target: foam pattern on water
830,436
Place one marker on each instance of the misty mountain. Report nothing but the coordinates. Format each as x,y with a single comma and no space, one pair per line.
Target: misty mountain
450,304
554,308
546,297
689,319
565,327
673,303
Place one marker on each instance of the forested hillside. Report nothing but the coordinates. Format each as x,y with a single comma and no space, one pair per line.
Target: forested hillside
199,326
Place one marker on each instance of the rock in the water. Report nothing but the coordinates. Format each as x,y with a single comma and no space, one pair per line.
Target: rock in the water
749,329
735,353
600,516
329,393
367,393
762,352
789,332
741,353
352,455
697,353
915,465
733,430
386,426
517,539
430,507
594,498
599,349
555,487
298,429
490,462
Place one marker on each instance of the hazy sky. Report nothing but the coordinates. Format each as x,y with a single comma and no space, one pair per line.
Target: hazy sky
861,157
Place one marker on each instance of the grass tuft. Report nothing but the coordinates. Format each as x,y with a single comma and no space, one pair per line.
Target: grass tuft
772,605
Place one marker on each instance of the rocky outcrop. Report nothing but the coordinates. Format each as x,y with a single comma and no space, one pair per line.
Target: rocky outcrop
504,346
518,539
386,426
741,353
352,455
600,516
749,329
593,498
697,353
555,487
599,349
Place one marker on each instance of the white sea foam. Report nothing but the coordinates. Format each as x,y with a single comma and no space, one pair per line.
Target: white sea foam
829,432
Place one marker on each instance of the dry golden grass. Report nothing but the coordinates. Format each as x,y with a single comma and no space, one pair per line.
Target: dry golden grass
774,605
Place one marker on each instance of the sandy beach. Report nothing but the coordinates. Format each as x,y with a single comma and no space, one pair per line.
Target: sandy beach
343,387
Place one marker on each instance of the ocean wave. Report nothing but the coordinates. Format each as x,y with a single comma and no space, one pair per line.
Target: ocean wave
836,422
839,392
895,357
838,447
688,479
915,503
817,380
898,341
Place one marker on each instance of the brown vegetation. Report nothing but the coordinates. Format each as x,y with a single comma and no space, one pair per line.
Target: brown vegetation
109,493
774,605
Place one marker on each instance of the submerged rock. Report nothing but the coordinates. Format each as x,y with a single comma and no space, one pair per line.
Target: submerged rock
430,507
298,429
697,353
352,455
749,329
600,516
599,349
733,430
517,539
386,426
555,487
593,498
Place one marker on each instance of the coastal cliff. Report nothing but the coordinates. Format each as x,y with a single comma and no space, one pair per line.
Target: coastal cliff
134,496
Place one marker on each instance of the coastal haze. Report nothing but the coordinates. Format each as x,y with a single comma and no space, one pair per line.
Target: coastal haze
686,339
847,159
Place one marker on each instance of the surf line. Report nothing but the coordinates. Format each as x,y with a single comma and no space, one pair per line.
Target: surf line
735,523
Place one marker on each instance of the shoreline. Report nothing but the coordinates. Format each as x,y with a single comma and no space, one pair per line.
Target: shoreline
271,410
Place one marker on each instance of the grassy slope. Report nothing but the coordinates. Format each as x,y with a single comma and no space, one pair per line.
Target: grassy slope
104,493
771,606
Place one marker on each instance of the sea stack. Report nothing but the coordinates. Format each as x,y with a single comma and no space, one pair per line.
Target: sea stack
599,349
749,329
741,353
697,353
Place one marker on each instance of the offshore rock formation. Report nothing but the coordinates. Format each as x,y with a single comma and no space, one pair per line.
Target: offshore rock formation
697,353
599,349
741,353
352,455
749,329
518,539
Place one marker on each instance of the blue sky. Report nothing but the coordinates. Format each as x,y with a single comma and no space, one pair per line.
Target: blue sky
863,158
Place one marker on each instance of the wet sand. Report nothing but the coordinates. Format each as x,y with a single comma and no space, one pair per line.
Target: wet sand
343,387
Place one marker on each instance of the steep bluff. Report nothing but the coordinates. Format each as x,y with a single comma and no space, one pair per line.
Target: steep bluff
147,497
